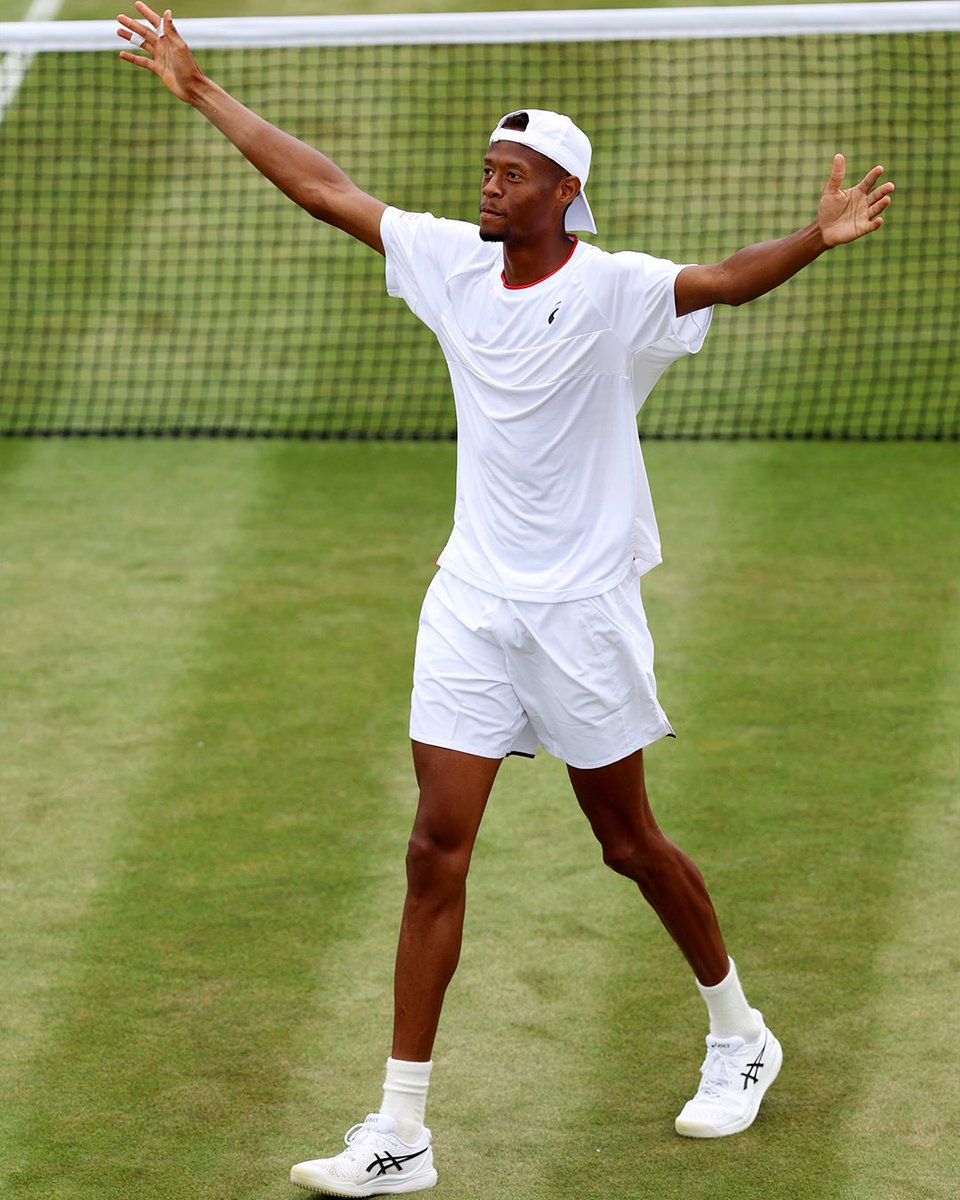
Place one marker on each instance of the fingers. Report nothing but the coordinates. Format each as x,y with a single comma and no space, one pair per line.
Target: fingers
140,60
871,177
133,31
137,32
877,199
881,195
154,26
876,206
146,11
144,35
876,203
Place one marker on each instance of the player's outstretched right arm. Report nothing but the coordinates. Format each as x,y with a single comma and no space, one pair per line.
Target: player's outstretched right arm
308,177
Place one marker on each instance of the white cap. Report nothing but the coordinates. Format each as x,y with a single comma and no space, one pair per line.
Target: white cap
556,136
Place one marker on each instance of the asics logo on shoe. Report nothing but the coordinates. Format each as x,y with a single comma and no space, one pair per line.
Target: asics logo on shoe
752,1073
383,1163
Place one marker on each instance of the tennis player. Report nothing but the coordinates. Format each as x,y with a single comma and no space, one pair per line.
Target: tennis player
532,631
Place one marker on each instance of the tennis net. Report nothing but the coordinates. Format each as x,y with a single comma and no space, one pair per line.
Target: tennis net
151,283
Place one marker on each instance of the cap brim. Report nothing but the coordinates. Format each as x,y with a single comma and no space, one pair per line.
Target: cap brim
579,218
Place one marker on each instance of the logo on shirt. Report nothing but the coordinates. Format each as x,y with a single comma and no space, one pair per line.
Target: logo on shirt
554,313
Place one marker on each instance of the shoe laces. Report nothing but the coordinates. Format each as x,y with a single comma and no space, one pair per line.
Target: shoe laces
356,1137
717,1070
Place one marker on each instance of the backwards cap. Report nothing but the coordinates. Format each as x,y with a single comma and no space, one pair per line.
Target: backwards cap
556,137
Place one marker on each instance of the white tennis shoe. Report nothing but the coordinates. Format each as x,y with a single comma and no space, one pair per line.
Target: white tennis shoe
734,1078
375,1163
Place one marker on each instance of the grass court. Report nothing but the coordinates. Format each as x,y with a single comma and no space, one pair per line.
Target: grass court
206,791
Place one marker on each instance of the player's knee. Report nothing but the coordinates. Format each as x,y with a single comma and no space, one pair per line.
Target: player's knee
637,857
621,856
435,866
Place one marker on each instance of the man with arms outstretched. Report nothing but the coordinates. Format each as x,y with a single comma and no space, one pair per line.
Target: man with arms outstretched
533,632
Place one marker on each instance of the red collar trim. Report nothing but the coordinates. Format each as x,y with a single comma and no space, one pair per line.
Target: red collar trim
519,287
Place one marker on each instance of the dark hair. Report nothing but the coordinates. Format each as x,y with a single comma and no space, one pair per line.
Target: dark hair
519,121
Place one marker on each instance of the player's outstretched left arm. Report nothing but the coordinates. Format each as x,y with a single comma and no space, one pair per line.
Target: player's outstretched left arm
843,216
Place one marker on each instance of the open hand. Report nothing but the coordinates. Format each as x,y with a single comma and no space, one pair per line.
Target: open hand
169,56
845,216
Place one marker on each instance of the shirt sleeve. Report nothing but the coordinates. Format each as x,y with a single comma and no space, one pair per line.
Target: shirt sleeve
420,250
641,307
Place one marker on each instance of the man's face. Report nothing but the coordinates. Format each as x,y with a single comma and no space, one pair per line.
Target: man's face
523,194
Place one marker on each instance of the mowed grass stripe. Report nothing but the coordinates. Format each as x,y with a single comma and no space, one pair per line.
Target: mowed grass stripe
365,526
509,1004
253,849
903,1132
110,560
799,657
226,1008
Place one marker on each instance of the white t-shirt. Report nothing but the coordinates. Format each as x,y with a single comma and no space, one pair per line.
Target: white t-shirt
552,497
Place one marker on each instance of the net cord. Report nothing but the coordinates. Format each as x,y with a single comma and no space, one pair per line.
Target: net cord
497,27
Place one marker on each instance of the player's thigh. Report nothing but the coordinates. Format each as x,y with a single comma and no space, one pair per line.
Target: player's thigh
454,789
615,802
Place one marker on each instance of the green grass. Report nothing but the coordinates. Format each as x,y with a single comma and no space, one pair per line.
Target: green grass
206,653
206,794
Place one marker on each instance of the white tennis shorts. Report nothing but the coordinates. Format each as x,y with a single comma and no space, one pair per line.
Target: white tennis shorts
494,677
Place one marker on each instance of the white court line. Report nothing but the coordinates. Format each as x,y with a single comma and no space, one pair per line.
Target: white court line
16,63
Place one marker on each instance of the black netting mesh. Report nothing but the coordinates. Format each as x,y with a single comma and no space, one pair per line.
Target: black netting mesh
152,282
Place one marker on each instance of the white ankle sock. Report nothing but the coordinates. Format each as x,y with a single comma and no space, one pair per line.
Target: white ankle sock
405,1096
730,1014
